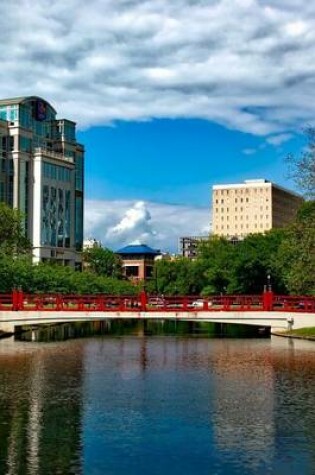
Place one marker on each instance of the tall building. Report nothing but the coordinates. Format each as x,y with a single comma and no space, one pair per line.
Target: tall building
254,206
188,245
41,174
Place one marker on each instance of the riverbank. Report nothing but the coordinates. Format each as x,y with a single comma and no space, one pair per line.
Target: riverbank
307,333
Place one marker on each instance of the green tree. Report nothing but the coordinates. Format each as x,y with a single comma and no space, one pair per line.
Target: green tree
12,235
296,255
216,259
302,167
103,261
255,258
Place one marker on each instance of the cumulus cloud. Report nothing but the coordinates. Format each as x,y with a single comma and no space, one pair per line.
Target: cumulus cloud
246,64
118,223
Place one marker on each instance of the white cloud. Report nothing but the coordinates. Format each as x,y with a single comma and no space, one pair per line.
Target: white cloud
277,140
118,223
246,64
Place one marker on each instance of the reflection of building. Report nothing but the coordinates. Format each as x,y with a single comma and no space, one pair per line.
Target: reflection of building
188,245
254,206
41,411
243,414
138,261
41,174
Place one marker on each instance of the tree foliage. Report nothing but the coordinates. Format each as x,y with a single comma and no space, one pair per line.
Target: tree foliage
297,252
103,261
52,278
302,167
286,255
12,235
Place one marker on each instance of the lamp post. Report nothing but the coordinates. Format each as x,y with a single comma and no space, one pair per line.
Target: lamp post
269,281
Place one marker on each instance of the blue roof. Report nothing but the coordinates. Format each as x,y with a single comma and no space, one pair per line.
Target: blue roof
138,249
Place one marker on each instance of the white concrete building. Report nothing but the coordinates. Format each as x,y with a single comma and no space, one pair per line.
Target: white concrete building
41,174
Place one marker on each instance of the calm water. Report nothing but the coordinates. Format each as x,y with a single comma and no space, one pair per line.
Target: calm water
157,405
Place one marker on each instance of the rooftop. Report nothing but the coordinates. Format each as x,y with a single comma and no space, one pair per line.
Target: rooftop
138,249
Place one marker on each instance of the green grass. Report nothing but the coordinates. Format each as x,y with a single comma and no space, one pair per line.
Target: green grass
309,331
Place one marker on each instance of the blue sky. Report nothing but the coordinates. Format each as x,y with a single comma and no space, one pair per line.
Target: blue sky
169,97
177,161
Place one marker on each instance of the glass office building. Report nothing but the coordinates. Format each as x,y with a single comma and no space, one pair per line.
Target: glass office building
42,174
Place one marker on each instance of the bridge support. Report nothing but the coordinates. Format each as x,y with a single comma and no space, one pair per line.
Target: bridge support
6,327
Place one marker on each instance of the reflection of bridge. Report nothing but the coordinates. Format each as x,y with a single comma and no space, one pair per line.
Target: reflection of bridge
266,310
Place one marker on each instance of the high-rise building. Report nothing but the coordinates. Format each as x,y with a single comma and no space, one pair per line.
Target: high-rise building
188,245
41,174
254,206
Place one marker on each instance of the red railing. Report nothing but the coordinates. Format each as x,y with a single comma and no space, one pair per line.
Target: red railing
268,301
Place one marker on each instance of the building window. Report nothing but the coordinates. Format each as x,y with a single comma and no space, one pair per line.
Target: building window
132,271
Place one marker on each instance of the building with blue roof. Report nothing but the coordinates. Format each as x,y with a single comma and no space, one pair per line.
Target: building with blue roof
138,261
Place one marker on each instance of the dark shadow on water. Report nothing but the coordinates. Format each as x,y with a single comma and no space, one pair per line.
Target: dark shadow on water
66,331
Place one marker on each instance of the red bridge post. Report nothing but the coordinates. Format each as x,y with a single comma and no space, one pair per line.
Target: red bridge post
143,301
268,300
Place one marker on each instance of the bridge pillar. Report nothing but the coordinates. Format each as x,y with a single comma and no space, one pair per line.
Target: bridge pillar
6,327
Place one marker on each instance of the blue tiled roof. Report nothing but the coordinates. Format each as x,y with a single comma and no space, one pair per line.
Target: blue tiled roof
138,249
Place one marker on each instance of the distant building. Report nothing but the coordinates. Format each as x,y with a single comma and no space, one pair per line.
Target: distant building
254,206
91,244
188,245
41,174
138,261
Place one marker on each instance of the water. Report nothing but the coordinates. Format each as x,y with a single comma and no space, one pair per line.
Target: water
157,405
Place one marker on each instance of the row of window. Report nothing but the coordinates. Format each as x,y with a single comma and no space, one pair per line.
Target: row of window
245,217
240,200
227,210
240,191
56,172
242,226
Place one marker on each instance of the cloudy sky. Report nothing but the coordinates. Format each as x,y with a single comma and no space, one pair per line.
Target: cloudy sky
170,97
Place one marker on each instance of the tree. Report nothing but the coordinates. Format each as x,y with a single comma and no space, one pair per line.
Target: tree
12,236
216,258
256,257
302,168
103,261
296,255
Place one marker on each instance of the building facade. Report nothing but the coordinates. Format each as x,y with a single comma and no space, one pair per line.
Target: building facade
188,245
42,168
254,206
138,261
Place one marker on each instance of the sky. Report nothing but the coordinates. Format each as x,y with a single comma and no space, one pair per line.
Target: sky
169,97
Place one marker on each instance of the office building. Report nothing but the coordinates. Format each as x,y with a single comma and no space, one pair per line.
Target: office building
188,245
41,174
254,206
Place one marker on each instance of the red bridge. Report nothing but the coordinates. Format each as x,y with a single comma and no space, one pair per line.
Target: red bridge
19,309
268,301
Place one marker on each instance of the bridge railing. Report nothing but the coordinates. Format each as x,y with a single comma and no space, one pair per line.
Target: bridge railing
268,301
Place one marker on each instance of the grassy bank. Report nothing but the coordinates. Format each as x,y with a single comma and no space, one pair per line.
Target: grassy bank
308,332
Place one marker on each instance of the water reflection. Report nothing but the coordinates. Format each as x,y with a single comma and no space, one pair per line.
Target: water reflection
40,410
152,405
141,327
